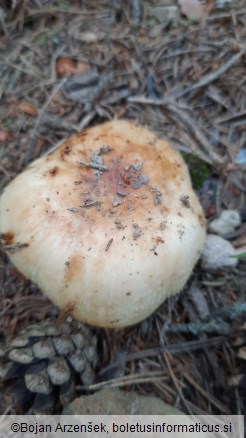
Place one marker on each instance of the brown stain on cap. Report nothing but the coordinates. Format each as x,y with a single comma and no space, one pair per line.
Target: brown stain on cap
73,266
66,150
202,221
53,172
8,237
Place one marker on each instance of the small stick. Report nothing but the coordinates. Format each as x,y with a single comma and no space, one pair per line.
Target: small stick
12,247
86,120
197,133
109,244
34,133
207,79
93,165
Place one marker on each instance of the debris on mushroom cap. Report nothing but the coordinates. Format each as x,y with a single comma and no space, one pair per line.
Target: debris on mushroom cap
107,223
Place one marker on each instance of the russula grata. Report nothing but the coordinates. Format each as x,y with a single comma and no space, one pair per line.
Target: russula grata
107,224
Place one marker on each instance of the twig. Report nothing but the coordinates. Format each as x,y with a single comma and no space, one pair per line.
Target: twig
172,375
97,90
39,118
211,77
86,120
217,325
133,379
60,10
197,133
12,247
93,165
234,311
56,122
214,326
17,67
208,396
48,101
181,347
2,21
207,79
232,117
170,103
109,244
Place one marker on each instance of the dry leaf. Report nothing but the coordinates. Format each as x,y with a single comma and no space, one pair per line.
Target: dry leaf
83,67
28,108
5,135
235,380
242,353
67,67
90,37
193,9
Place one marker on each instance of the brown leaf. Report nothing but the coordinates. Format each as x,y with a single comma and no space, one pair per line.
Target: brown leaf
83,67
67,67
28,108
5,135
193,9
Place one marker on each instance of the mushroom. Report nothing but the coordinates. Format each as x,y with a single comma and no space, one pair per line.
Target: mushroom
107,224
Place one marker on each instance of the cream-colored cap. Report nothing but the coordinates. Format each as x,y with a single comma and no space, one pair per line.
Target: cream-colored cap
107,224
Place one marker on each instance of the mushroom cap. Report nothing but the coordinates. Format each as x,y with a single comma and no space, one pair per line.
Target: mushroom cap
107,224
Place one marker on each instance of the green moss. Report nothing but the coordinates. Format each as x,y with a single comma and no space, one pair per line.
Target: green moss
65,6
150,22
7,123
199,170
42,39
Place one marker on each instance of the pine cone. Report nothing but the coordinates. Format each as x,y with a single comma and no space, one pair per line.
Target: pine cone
40,368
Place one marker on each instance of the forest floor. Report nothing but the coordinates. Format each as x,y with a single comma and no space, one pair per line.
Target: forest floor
69,65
